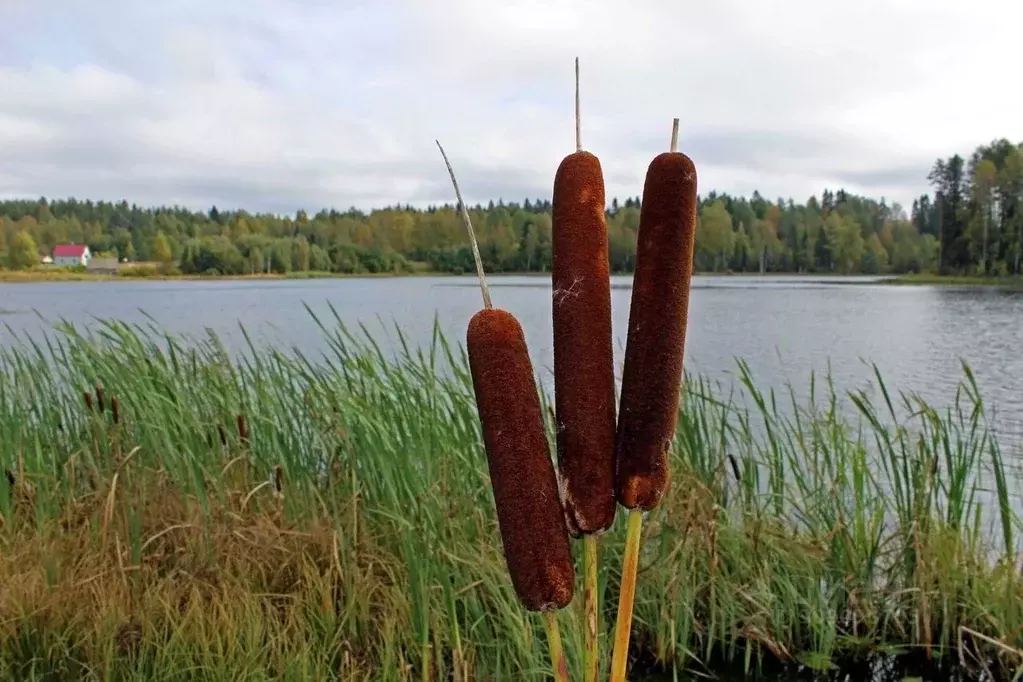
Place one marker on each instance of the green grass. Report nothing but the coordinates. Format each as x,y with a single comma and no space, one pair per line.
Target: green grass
43,274
150,271
352,535
145,272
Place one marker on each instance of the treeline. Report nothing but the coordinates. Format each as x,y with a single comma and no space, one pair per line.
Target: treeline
972,224
977,210
839,232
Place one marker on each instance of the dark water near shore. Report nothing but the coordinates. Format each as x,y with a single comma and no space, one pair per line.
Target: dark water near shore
783,327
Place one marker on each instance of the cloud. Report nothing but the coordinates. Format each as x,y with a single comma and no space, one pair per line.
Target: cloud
274,105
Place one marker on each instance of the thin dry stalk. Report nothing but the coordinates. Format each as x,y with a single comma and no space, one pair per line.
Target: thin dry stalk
472,233
108,513
578,121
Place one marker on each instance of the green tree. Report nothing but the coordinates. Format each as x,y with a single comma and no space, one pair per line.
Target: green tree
255,261
975,210
281,256
162,250
123,243
23,252
764,243
949,181
985,175
530,242
1010,195
875,256
319,260
741,250
845,242
300,254
714,236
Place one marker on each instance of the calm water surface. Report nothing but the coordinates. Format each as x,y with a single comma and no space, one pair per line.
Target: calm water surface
783,327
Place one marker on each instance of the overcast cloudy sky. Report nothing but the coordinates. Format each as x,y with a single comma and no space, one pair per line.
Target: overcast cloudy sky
275,105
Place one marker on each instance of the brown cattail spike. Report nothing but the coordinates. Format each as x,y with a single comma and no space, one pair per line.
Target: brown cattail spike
88,401
654,349
532,524
243,431
100,404
115,409
223,434
584,388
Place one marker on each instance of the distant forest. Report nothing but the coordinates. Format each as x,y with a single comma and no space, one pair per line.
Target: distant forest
972,224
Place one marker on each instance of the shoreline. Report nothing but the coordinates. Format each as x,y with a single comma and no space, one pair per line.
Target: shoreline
35,277
1009,282
1014,283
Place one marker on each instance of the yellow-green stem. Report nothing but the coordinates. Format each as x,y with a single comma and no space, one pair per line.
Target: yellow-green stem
623,625
558,662
590,607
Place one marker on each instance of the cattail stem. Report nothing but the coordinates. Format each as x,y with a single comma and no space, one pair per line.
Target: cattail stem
674,135
472,233
578,121
623,626
558,662
591,606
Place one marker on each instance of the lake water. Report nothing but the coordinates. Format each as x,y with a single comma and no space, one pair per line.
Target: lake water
783,327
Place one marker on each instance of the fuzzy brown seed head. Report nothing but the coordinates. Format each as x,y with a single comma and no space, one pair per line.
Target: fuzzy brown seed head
223,434
529,514
88,401
584,390
243,431
115,409
100,404
655,347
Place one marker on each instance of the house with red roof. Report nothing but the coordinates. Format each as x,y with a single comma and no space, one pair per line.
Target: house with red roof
71,255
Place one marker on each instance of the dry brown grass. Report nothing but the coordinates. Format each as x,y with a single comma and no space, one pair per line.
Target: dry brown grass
238,577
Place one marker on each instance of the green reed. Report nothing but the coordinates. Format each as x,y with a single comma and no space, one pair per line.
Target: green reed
352,534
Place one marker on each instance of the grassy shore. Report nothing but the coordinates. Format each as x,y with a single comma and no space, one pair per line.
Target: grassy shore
63,275
284,517
143,273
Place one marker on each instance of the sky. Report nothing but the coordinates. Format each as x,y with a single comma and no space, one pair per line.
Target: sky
269,105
